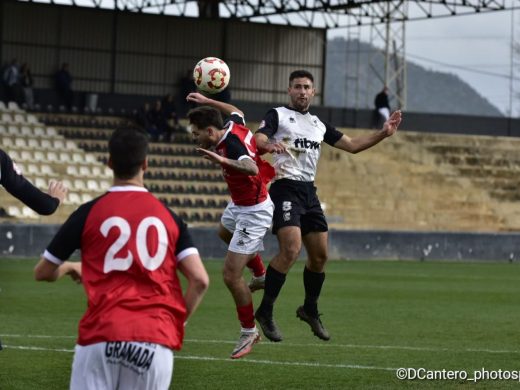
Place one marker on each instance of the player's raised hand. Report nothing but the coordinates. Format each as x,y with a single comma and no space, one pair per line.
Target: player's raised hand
391,124
209,155
197,98
57,190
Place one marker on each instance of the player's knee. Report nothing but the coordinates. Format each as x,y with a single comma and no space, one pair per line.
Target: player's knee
289,253
229,277
317,264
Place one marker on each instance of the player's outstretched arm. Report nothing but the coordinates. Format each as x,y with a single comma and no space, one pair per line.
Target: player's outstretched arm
226,108
363,142
198,281
48,271
246,165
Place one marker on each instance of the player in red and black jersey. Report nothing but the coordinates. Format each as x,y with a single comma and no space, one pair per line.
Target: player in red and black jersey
248,215
131,247
16,184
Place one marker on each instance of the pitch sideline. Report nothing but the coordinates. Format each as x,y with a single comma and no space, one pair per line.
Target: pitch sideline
322,345
209,358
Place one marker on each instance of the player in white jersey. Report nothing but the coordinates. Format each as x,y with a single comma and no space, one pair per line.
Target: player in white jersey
295,136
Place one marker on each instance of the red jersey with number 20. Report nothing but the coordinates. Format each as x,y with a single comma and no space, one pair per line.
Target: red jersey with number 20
130,245
236,144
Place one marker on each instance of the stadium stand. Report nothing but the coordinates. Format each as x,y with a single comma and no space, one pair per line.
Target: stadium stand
74,149
417,181
425,182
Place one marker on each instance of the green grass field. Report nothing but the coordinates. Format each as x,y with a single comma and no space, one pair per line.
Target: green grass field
382,316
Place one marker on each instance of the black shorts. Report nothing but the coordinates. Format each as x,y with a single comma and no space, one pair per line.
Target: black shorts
296,204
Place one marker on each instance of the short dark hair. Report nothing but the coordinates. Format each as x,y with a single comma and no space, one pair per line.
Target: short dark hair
205,116
127,147
298,74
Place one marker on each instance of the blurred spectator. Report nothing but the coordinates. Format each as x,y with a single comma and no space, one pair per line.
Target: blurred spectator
382,108
142,117
11,79
26,81
186,86
168,107
172,119
158,124
63,83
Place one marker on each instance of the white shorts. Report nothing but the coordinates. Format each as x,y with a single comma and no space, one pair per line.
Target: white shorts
121,365
249,224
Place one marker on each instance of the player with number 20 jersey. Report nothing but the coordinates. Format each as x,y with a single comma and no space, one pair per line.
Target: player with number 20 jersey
129,258
131,249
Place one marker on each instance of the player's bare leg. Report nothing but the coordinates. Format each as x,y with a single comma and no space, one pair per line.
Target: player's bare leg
289,242
290,245
313,278
255,264
224,234
317,252
232,275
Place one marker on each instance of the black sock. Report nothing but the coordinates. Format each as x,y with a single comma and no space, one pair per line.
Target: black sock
274,281
312,281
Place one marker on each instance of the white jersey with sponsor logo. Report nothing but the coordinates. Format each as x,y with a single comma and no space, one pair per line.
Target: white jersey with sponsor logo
302,133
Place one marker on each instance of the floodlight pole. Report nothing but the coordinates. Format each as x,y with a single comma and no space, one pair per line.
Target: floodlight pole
393,34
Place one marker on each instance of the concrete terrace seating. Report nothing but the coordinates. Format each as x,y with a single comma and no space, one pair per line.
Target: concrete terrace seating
43,154
175,169
423,181
413,181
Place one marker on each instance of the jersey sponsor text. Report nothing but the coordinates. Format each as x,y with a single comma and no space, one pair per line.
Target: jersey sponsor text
306,143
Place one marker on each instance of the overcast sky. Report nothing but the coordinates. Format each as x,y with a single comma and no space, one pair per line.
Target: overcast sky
475,47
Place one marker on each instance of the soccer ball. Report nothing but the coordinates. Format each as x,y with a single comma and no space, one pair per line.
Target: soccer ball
211,75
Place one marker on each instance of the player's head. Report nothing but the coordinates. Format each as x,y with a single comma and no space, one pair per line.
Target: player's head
301,89
127,150
205,123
